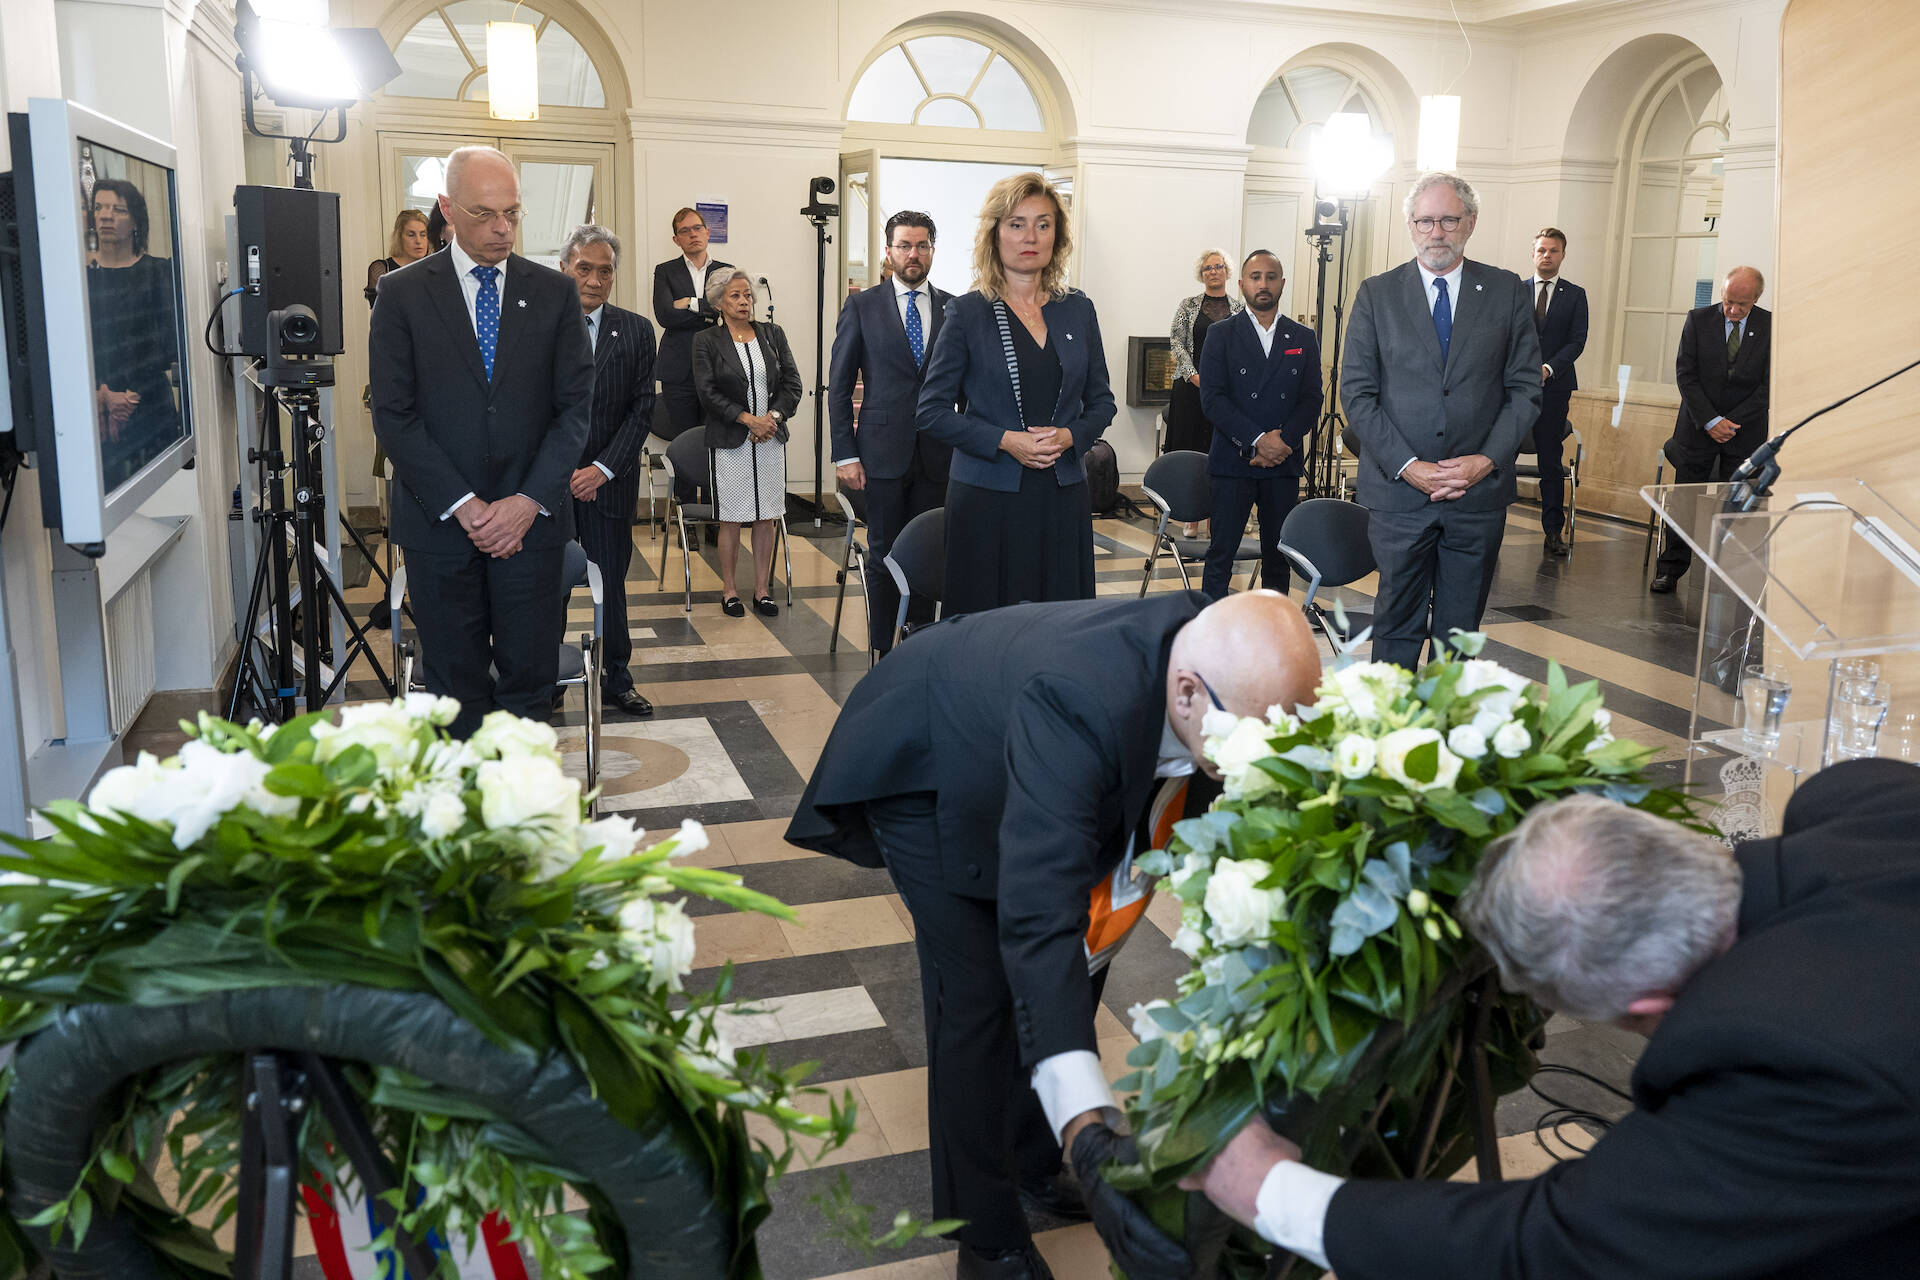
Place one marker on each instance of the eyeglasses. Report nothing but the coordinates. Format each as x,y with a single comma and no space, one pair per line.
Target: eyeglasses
919,248
1425,226
1215,266
510,216
1210,693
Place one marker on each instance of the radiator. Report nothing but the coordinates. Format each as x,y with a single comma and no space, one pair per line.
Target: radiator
130,663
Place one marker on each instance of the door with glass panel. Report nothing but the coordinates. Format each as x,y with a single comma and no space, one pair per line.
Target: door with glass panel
562,184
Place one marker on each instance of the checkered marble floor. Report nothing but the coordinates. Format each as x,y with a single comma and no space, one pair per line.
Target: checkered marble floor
744,706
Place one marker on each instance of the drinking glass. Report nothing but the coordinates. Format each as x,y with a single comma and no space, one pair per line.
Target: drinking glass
1764,691
1863,709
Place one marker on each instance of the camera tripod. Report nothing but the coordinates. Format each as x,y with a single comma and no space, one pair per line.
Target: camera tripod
273,677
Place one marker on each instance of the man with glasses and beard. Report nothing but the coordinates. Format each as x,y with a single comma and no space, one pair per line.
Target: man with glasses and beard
999,767
1442,383
881,343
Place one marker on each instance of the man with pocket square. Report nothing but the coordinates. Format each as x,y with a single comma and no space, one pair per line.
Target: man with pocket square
1260,387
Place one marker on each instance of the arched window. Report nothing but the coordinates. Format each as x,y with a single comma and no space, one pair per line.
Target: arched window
946,81
1673,206
1300,100
443,56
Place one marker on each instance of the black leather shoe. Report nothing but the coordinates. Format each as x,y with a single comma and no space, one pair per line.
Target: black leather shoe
1014,1264
1662,584
1058,1196
629,701
1557,546
765,607
733,607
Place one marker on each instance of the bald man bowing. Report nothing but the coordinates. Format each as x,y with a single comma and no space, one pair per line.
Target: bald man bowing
482,380
998,766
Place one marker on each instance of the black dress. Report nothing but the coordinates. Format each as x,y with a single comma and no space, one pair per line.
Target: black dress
1187,425
1037,544
136,347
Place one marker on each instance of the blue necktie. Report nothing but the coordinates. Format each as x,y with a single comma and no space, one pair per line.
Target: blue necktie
915,338
1442,317
486,316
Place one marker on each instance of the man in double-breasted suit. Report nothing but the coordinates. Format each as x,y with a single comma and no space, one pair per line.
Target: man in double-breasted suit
481,380
882,342
680,305
1775,1133
1560,315
1441,382
606,484
1722,370
998,765
1260,387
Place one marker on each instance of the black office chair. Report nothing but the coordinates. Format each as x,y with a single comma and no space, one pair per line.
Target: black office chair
853,560
1177,485
1527,466
918,562
687,466
1326,540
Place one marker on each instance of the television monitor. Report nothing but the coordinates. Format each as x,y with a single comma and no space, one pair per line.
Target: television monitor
108,409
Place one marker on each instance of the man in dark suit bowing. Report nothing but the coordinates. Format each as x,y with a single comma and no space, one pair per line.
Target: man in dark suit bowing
1260,387
1441,382
481,378
606,484
1775,1133
997,766
881,343
680,305
1560,316
1722,370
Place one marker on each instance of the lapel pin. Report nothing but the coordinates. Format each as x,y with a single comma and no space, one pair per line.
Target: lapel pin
1476,289
613,333
523,302
1069,337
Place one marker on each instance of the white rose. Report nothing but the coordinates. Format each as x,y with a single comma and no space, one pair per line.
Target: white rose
505,735
445,814
1467,741
1191,865
1512,740
1283,721
1188,940
1240,912
445,761
1144,1027
137,789
1217,723
1603,720
614,836
211,782
1367,688
660,936
691,838
1396,746
1497,707
1236,755
1354,756
383,728
528,790
435,710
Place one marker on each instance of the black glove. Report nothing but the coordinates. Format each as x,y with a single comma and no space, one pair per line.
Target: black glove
1140,1248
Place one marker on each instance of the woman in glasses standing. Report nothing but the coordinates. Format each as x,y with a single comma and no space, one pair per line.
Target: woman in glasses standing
1022,351
1187,425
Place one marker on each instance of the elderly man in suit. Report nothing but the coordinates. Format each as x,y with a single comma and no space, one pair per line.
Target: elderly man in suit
1775,1134
1560,316
680,305
606,484
881,343
1722,370
481,377
998,766
1442,383
1260,387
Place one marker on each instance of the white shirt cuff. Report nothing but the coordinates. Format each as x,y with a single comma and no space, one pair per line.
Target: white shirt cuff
1070,1083
1403,466
1549,369
456,506
603,468
536,502
1291,1209
1714,421
844,462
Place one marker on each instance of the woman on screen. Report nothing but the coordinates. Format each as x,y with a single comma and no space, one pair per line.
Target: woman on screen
136,345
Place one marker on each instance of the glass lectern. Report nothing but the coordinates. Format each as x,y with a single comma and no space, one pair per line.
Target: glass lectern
1809,648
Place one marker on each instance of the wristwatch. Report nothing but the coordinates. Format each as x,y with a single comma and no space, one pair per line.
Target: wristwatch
776,415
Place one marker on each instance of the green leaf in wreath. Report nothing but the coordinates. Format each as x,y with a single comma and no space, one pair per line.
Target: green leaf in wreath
1423,762
117,1166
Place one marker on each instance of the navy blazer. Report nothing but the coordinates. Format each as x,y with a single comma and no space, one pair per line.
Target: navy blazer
449,429
870,347
1246,393
1712,388
969,364
678,325
1565,335
622,405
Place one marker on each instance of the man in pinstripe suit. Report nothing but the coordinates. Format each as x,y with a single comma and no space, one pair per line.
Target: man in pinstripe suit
606,489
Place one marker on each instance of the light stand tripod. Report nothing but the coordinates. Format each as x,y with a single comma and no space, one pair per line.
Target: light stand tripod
266,677
817,212
1323,451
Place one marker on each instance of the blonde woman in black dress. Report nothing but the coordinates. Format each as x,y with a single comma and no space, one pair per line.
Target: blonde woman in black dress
749,385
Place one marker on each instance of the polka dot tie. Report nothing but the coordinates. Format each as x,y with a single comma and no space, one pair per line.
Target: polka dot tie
486,316
915,338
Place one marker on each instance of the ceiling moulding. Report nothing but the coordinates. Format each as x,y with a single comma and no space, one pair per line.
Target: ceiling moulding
768,131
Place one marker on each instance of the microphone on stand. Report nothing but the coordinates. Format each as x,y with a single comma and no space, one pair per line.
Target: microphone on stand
769,292
1754,478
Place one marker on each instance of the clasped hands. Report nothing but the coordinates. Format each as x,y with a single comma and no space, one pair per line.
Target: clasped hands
496,528
1270,450
1037,447
760,426
1723,431
1450,478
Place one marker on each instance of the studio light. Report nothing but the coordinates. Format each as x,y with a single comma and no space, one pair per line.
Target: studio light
513,71
1439,132
1347,158
289,56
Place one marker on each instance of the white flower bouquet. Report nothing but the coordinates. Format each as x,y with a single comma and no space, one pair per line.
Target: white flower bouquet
375,852
1317,905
